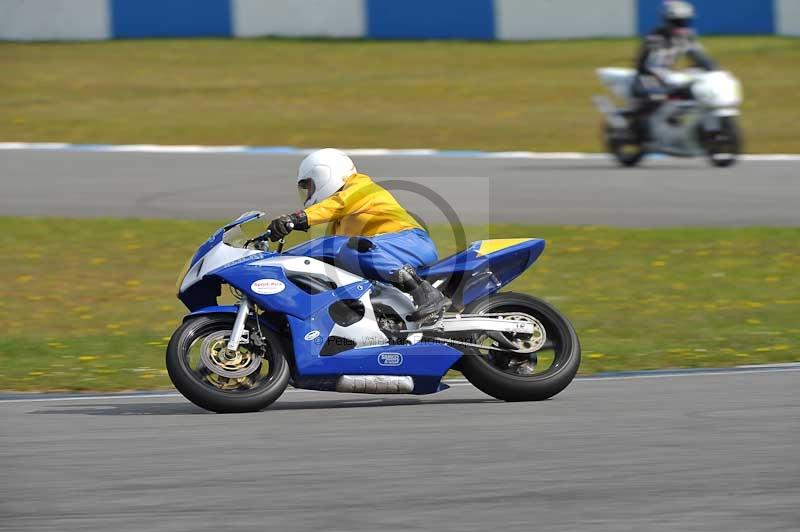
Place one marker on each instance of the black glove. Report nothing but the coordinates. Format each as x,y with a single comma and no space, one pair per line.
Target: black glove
283,225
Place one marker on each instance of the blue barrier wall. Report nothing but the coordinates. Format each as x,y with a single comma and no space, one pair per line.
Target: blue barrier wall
170,18
717,17
426,19
379,19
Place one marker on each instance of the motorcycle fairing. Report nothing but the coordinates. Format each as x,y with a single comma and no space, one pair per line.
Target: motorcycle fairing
200,287
219,234
426,362
324,248
207,246
481,269
290,300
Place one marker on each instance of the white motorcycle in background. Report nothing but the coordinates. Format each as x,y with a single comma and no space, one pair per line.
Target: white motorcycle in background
698,118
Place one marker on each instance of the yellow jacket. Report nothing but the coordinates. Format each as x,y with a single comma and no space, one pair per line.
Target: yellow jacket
361,208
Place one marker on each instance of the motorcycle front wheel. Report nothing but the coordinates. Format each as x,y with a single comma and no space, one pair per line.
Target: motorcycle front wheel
203,370
723,146
624,145
523,377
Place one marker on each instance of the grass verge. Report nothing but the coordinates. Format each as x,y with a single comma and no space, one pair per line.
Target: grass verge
89,304
437,94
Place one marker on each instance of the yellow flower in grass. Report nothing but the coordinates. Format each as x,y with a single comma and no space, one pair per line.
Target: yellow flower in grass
133,282
86,358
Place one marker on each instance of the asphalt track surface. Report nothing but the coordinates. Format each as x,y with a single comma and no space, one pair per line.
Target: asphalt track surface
669,192
663,453
648,453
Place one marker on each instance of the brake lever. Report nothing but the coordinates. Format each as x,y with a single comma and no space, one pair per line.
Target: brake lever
282,241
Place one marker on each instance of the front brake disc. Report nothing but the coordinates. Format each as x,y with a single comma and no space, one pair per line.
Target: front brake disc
233,365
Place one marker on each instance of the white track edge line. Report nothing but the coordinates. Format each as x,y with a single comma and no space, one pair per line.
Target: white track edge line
360,152
736,370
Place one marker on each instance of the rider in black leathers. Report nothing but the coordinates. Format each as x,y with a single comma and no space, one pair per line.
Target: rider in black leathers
661,49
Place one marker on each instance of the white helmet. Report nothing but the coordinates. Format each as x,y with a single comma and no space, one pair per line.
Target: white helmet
678,13
323,173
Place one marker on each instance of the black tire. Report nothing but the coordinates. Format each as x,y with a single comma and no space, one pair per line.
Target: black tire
480,371
191,383
625,146
724,146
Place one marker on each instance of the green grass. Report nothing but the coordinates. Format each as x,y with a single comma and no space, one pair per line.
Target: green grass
89,304
461,95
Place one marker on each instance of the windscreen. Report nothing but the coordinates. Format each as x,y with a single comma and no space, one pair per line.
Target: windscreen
239,232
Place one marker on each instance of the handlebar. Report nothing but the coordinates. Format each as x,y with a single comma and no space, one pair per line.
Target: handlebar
266,234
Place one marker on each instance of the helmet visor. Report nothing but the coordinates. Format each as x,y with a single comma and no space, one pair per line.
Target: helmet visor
306,189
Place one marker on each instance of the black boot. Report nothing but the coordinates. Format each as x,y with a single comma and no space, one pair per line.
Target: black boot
429,300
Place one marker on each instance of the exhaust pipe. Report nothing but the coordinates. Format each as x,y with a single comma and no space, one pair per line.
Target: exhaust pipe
375,384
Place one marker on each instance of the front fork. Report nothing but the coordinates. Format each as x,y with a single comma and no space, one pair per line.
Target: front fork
238,325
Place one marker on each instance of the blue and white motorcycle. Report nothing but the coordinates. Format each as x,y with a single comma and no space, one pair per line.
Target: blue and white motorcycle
300,320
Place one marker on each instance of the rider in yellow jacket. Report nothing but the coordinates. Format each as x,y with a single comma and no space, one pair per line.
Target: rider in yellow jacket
361,208
386,242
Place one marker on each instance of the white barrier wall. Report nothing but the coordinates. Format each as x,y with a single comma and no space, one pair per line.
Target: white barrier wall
564,19
298,18
379,19
57,20
787,13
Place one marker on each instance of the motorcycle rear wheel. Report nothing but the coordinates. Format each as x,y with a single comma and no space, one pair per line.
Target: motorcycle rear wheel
192,377
497,375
